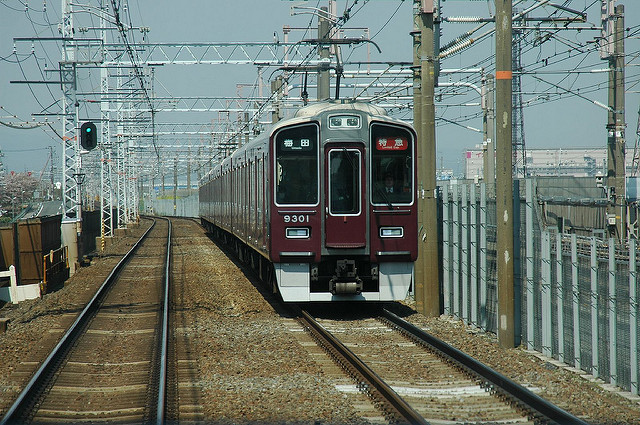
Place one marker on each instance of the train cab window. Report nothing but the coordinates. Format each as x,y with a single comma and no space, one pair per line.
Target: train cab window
391,165
344,181
296,165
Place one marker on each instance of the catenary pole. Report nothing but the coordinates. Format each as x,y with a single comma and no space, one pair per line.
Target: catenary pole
323,73
428,222
504,175
489,133
615,131
417,122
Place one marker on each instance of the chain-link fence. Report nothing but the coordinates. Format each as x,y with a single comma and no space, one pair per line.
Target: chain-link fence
576,296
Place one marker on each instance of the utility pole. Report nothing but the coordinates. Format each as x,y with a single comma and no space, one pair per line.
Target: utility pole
517,122
323,71
189,172
616,210
489,132
175,185
199,164
2,169
276,88
504,175
427,195
247,125
417,123
52,168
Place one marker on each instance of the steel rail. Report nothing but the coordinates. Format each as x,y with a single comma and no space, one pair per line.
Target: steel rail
36,385
164,340
366,377
493,379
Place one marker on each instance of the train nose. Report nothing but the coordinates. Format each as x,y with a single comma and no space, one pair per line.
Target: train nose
345,280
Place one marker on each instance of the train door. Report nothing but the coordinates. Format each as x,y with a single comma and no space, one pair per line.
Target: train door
345,216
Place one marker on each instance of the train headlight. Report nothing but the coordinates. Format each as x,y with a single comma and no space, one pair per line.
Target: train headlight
391,232
297,232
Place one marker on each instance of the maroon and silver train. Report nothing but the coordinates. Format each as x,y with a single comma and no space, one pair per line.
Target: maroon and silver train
323,205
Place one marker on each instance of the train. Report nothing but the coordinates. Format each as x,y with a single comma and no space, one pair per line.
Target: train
322,205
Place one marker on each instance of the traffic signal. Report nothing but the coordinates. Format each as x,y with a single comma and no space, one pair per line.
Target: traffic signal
88,136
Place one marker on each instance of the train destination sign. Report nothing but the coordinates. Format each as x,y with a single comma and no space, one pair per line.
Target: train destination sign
301,144
391,144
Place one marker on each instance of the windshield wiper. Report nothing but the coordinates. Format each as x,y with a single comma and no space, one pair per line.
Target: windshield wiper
384,196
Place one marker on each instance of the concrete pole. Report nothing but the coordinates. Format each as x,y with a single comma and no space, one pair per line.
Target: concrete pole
417,123
489,133
504,176
189,172
323,73
276,87
199,164
175,185
141,194
428,236
615,129
246,127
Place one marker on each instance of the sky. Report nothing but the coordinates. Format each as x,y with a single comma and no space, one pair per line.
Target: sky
560,111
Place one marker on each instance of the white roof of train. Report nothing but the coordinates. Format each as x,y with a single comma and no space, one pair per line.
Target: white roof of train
317,108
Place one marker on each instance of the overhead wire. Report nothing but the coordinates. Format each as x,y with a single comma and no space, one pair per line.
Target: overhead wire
339,22
136,69
37,61
564,56
556,59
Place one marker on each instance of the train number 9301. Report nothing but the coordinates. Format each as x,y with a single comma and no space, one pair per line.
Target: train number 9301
301,218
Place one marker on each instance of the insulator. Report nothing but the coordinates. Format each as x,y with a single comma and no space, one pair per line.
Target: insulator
457,48
465,19
458,39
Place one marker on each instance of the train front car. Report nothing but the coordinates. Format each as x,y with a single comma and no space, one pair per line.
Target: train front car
343,217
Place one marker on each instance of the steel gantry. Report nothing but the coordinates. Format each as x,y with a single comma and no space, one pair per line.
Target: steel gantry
70,144
234,53
106,169
127,121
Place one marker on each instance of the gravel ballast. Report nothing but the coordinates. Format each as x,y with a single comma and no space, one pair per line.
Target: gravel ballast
251,368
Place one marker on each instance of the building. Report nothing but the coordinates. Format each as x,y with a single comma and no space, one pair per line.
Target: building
573,162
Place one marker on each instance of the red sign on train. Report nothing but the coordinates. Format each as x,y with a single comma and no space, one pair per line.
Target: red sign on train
391,144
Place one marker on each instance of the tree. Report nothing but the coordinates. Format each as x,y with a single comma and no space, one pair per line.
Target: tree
15,189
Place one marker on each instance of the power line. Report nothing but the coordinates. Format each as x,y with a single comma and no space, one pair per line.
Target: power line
136,68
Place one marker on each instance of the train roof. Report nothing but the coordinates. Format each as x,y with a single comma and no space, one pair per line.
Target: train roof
306,114
341,105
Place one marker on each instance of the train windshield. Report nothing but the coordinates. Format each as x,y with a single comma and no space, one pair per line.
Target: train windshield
391,165
296,166
344,181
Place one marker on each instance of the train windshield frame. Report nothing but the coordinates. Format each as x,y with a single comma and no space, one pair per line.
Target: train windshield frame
296,165
345,182
392,165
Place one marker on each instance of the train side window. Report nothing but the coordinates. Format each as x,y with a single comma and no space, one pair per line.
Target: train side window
391,165
296,165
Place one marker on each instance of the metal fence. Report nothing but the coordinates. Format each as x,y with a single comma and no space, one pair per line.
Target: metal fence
184,206
576,296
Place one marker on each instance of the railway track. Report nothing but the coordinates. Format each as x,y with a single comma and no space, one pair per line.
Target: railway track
111,364
412,377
